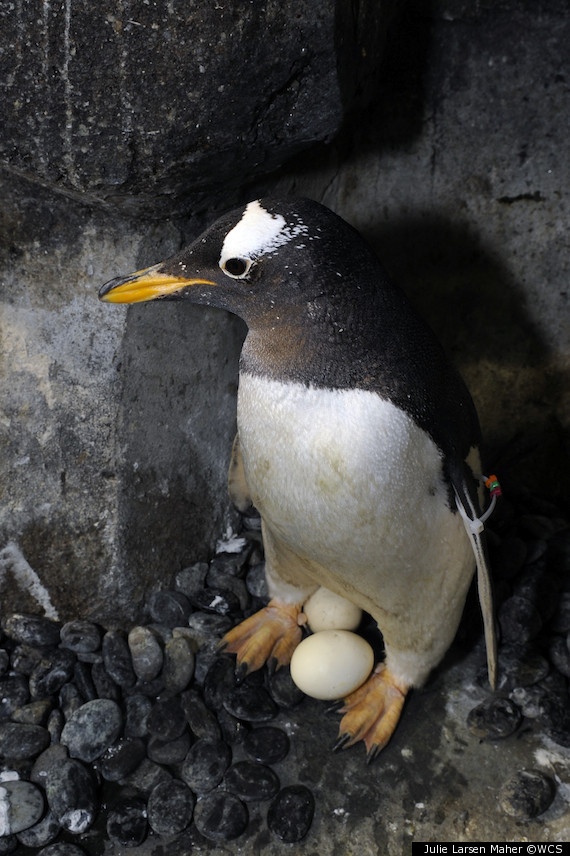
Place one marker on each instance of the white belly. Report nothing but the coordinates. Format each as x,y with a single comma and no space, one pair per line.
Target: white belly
348,480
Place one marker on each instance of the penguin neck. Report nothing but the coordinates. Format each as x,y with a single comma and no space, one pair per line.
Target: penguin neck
313,345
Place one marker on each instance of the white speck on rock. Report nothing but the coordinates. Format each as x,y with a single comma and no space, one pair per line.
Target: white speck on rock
76,821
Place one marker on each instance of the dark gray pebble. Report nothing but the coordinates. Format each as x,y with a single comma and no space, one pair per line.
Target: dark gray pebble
117,659
43,833
54,725
71,795
219,681
561,619
81,636
220,816
231,563
22,806
266,744
148,688
14,692
53,671
190,580
121,758
252,704
105,686
4,662
8,844
207,624
283,690
127,823
291,813
178,667
251,780
92,729
233,730
200,718
32,630
24,659
166,720
256,581
70,699
205,764
170,808
216,600
34,713
206,656
171,608
554,717
169,752
138,708
83,680
146,653
494,718
62,850
526,794
147,776
529,700
44,762
559,655
19,742
519,620
220,579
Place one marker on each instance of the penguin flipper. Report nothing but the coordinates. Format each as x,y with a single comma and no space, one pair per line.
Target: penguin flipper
372,712
468,507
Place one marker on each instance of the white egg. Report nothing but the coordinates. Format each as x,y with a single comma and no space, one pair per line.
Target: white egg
326,610
331,664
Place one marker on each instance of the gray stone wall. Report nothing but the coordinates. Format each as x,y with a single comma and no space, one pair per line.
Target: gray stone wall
126,129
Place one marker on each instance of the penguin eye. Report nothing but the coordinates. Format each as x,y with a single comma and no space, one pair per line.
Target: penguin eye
236,267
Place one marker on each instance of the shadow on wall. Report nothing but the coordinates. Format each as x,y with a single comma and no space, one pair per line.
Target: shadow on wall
477,311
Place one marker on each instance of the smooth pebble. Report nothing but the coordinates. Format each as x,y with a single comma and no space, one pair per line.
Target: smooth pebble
494,718
72,795
266,744
220,816
146,653
527,794
291,813
170,808
22,805
117,658
251,780
205,764
171,608
81,636
127,822
92,729
19,741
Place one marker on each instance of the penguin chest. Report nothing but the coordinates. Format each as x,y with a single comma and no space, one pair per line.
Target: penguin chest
335,473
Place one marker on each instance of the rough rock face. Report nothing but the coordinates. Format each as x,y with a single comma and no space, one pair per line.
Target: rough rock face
146,103
119,123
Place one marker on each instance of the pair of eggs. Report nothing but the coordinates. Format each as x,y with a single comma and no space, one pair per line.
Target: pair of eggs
333,661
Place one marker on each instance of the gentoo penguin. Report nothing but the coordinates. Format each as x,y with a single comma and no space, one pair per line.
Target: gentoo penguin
357,442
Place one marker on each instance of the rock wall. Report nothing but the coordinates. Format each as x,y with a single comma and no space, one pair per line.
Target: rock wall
126,128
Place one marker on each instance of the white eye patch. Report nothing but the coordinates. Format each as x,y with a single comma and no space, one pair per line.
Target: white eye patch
258,233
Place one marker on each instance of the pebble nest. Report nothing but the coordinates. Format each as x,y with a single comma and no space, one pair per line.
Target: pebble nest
148,733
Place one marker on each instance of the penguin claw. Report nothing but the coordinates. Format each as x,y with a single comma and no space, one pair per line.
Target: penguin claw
371,713
270,635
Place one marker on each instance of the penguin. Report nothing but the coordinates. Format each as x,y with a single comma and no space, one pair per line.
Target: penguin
358,442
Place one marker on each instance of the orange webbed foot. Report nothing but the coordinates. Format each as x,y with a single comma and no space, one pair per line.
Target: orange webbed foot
371,712
270,635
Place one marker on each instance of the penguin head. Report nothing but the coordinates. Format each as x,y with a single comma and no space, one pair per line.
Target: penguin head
266,262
